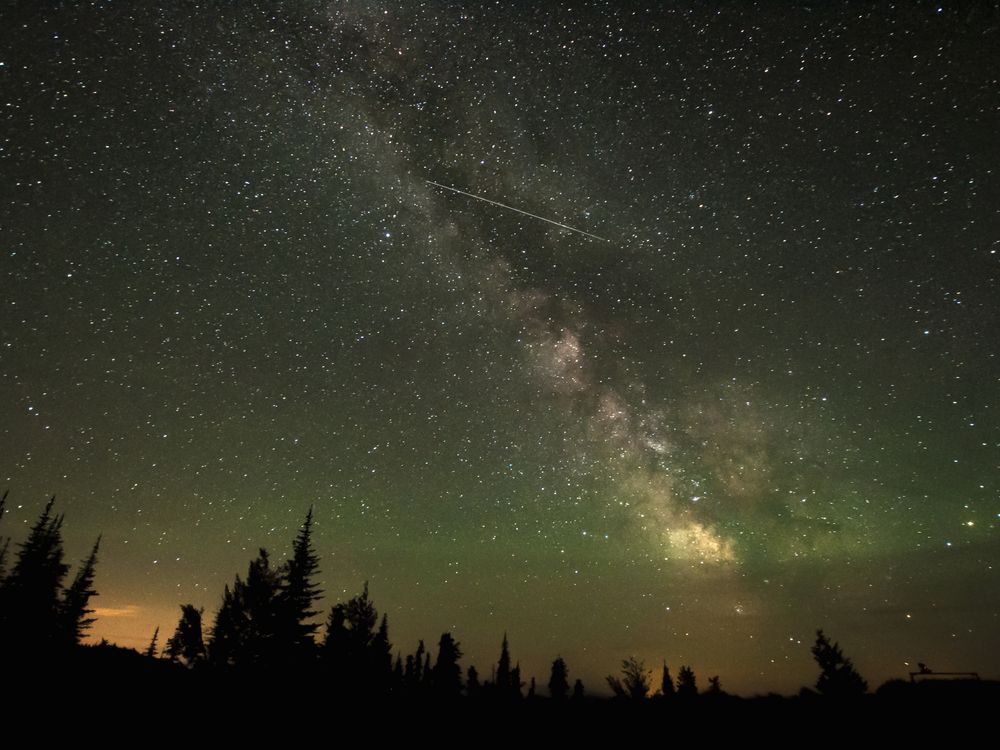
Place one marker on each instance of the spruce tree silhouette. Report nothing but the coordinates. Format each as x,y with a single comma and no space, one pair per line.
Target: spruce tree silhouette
413,675
666,683
358,655
472,685
30,616
418,665
186,646
837,678
687,686
227,634
74,609
559,680
578,693
153,647
380,660
508,681
447,674
244,632
297,594
397,674
409,673
428,675
261,608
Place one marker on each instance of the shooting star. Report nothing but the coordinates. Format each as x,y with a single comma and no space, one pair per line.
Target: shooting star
504,205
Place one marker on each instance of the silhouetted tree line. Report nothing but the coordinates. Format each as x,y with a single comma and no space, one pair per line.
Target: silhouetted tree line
265,619
635,683
266,624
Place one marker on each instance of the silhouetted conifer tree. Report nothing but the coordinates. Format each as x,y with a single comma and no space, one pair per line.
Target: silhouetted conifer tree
447,675
687,687
714,686
410,678
559,680
418,665
30,616
228,632
666,682
187,646
297,594
397,673
153,647
515,681
351,625
39,619
472,686
382,648
505,681
74,609
337,645
837,678
427,674
244,631
260,602
578,690
354,649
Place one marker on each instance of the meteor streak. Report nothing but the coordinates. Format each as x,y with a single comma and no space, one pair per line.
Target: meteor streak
504,205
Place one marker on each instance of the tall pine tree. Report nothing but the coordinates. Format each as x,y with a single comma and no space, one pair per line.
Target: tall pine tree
74,611
244,634
667,683
298,593
380,662
559,680
504,679
472,686
447,675
30,616
153,646
687,685
356,652
186,646
413,673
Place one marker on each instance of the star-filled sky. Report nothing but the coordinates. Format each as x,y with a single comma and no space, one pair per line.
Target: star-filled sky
765,402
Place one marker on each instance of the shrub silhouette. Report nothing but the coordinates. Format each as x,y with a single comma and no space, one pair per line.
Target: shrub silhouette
634,682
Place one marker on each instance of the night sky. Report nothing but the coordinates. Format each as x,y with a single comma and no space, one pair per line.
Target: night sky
766,402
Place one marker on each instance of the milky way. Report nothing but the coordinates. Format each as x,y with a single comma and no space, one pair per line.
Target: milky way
766,404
